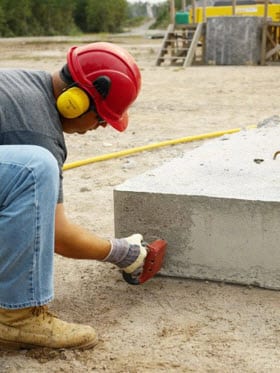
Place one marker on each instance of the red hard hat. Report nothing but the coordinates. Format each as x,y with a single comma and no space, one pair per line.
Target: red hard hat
110,76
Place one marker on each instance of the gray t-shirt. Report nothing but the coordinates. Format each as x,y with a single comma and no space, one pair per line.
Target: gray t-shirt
28,113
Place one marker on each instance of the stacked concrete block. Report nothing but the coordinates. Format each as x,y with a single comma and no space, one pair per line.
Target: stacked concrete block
233,40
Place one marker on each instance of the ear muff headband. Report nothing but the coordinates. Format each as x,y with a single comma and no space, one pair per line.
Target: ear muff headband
66,76
73,102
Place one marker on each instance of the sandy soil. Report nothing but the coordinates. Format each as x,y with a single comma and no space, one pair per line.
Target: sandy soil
168,324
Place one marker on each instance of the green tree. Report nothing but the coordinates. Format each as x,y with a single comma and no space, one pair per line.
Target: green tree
52,17
80,17
119,15
16,16
105,15
63,16
2,22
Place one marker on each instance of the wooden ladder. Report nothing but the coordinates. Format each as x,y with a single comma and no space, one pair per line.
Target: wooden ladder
270,49
179,46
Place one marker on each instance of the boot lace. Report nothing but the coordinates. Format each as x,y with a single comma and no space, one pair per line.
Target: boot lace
42,310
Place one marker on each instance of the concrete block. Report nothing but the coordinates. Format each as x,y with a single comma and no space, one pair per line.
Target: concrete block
217,206
233,40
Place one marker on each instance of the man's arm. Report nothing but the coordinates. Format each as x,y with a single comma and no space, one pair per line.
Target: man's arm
73,241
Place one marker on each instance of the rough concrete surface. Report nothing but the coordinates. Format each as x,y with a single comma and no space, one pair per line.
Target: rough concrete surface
217,206
233,40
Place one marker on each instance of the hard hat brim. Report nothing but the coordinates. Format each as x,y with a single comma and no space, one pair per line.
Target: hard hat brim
121,124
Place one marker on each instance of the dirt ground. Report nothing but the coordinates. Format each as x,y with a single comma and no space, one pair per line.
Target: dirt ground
168,324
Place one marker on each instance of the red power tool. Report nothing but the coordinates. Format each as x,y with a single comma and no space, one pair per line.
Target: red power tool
153,262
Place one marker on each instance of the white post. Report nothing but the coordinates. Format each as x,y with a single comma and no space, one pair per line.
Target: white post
172,11
233,7
194,11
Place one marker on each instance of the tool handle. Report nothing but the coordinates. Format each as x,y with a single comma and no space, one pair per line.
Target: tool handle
152,265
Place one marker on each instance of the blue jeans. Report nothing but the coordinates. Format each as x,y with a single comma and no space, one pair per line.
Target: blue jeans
29,183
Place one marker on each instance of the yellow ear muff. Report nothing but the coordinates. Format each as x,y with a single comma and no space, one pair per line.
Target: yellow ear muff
72,103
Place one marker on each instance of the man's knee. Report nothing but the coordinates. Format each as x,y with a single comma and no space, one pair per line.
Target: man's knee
44,166
42,160
27,155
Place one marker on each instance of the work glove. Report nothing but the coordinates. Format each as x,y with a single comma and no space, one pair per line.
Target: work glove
128,254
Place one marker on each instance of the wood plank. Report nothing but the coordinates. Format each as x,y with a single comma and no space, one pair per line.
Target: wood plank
273,51
163,49
270,37
263,45
193,46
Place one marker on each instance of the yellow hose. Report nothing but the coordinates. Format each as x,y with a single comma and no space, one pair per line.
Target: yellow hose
138,149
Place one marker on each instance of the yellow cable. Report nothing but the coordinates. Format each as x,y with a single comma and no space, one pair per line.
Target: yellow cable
138,149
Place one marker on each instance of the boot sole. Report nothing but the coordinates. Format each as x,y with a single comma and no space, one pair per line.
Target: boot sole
8,345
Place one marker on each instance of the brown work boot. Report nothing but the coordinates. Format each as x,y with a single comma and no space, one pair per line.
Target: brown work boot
33,327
